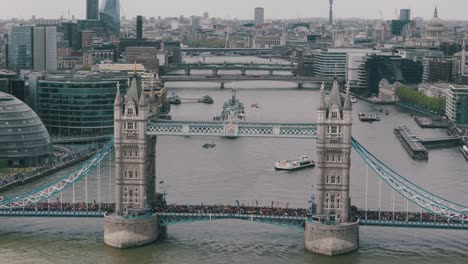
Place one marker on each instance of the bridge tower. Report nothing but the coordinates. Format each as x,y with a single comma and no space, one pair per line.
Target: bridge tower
329,231
132,223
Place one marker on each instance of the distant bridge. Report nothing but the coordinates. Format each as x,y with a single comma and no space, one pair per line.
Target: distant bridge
243,51
300,80
243,68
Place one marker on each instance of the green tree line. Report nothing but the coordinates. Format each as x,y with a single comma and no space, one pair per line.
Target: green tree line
420,100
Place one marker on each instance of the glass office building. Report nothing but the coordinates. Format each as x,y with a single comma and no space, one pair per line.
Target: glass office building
20,48
109,14
24,140
79,105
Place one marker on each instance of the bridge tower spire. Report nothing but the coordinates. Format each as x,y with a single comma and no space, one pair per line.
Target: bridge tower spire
135,173
330,230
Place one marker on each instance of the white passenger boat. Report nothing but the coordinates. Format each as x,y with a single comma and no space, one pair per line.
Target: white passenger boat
303,162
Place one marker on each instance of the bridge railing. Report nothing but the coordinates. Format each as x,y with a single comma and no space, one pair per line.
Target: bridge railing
46,191
412,192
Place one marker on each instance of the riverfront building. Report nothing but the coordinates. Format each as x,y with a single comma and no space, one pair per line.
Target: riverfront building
24,140
45,48
456,107
79,105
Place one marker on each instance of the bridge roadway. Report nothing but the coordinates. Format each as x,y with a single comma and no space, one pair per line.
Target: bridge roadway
226,50
236,78
229,129
230,66
297,222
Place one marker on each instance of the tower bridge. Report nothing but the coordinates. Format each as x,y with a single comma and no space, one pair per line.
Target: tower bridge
331,228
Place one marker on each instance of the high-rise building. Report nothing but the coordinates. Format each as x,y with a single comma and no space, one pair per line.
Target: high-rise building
45,48
20,51
110,16
456,106
330,15
143,55
92,9
405,14
139,29
259,15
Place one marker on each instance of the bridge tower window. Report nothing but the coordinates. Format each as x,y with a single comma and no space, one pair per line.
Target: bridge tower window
334,114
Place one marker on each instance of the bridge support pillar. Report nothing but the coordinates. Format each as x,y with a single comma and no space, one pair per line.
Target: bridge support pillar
187,71
270,72
243,71
331,240
215,71
120,232
300,85
222,85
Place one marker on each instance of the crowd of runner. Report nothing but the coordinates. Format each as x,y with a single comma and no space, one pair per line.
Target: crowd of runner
60,157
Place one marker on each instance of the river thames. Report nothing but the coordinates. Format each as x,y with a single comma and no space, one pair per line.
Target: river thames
242,169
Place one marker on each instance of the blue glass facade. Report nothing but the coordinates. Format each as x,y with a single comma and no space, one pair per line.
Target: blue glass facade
20,51
110,16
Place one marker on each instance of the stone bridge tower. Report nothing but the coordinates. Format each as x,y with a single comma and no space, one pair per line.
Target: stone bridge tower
330,231
135,173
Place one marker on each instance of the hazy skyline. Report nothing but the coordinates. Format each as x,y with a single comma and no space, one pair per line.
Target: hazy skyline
243,9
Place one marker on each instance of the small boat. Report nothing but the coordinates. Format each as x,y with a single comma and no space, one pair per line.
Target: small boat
207,146
289,165
255,106
353,100
464,151
174,99
368,118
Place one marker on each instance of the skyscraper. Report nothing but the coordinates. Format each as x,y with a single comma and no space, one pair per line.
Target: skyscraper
45,48
259,15
20,52
405,14
92,9
139,29
110,16
330,16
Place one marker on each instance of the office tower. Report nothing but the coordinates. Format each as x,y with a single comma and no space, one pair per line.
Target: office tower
45,48
405,14
330,15
92,9
110,16
139,29
20,52
259,15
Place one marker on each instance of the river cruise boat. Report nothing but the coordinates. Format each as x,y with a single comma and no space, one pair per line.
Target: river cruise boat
368,118
289,165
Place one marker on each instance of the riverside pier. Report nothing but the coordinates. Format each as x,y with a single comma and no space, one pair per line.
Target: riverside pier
411,143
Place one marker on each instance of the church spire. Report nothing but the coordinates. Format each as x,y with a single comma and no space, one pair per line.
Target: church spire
118,97
322,96
347,104
436,13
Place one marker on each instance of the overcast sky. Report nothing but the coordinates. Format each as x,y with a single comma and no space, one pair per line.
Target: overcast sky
448,9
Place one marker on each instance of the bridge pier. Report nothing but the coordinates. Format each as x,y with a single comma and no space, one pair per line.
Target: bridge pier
270,72
300,85
243,71
331,240
120,232
187,71
222,85
215,71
